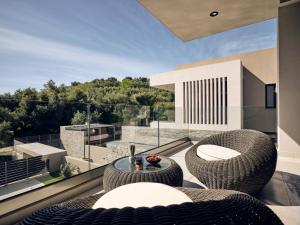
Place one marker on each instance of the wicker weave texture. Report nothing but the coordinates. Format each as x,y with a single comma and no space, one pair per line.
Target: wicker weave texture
209,207
114,178
248,172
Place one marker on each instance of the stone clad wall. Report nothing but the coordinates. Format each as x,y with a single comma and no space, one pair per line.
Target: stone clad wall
148,134
73,142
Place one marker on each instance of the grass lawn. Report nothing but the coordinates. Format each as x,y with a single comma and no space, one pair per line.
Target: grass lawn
49,179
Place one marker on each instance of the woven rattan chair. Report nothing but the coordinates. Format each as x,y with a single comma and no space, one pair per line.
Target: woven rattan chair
248,172
208,207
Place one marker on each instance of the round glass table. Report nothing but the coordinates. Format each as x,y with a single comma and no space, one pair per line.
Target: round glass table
125,164
122,171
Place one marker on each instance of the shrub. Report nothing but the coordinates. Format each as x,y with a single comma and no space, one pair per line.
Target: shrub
68,169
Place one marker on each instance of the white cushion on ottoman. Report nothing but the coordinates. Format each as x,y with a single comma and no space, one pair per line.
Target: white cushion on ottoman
143,194
215,152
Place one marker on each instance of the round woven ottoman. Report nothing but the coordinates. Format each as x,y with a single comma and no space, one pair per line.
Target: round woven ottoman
121,172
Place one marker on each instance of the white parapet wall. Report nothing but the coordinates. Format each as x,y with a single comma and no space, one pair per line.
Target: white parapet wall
208,97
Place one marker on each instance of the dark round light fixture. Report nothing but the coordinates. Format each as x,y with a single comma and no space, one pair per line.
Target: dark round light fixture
214,13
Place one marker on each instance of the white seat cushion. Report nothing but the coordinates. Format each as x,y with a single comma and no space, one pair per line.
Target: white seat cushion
215,152
141,194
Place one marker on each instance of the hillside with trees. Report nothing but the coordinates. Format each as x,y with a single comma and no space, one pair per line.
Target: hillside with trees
30,112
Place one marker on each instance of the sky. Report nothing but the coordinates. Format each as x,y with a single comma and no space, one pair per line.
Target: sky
80,40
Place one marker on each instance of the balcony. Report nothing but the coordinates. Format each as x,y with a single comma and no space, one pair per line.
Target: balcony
57,145
87,149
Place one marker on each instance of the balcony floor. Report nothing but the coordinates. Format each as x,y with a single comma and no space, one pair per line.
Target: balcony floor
281,194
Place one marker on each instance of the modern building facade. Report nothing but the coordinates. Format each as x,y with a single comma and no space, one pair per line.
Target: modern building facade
225,93
189,20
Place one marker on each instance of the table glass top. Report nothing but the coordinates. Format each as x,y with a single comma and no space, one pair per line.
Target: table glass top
124,164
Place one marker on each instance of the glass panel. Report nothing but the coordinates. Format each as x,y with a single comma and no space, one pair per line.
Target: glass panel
49,141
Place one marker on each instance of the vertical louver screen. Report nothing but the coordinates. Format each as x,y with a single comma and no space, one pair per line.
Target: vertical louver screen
205,101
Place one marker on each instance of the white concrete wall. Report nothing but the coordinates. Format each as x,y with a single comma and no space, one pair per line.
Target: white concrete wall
289,80
259,69
231,69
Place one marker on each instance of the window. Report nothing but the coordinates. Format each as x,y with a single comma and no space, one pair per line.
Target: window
271,96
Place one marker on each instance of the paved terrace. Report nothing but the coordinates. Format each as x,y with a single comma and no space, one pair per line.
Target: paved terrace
281,194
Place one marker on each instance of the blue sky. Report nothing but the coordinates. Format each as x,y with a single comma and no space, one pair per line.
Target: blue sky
79,40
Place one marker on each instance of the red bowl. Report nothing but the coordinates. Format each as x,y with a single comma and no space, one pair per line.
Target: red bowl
149,160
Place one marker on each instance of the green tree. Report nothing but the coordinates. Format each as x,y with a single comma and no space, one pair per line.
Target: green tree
144,98
6,134
79,118
96,116
126,84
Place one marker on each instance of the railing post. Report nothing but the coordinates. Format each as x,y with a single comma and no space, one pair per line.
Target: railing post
27,168
158,117
158,131
100,135
114,132
5,171
89,135
84,142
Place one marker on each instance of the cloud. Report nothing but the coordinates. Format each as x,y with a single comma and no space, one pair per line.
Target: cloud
17,42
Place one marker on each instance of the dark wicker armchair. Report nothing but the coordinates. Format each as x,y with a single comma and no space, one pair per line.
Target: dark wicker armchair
208,207
248,172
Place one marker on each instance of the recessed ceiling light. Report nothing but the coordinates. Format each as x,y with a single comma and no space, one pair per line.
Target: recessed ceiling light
214,13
